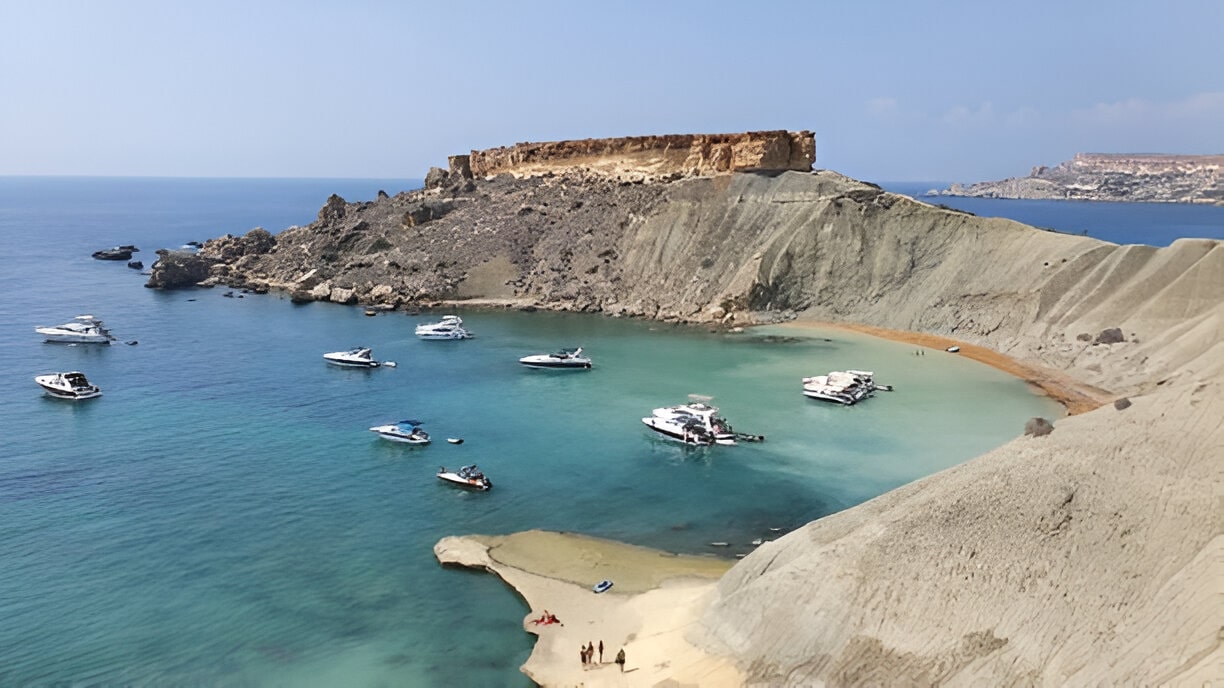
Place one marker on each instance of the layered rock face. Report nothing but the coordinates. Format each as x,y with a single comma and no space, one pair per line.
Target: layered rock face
1090,555
1100,177
673,156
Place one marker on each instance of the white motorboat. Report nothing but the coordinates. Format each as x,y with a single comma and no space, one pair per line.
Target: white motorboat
406,431
68,386
84,329
451,327
564,359
696,423
361,357
467,476
842,386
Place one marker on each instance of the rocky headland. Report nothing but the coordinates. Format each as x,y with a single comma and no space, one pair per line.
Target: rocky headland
1091,555
1112,177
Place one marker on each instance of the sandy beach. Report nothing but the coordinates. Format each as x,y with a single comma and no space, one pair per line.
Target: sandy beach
1077,397
655,599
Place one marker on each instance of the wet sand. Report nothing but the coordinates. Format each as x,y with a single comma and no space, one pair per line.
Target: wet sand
1076,397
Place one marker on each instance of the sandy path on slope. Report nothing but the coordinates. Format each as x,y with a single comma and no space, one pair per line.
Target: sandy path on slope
1077,397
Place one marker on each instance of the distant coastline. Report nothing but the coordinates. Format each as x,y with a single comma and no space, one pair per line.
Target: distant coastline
1150,178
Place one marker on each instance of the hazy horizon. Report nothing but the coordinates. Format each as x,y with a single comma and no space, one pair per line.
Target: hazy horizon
369,90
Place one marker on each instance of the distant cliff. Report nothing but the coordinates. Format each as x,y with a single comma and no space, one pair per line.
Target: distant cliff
1101,177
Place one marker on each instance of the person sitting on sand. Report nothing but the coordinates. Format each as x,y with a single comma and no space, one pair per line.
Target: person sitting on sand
543,618
552,619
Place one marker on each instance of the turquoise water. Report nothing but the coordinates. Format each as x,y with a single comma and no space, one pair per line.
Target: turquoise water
222,516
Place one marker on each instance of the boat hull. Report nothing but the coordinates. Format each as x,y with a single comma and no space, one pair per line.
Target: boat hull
71,338
553,364
393,434
456,479
49,386
675,433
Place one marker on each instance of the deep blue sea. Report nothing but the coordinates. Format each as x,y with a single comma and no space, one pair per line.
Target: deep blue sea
1155,224
223,517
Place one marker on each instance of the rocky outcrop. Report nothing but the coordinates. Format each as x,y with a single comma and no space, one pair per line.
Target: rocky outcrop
1099,177
178,270
653,156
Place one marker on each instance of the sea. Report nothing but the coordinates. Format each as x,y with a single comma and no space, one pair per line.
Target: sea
222,515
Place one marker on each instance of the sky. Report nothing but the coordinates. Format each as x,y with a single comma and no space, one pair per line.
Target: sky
955,91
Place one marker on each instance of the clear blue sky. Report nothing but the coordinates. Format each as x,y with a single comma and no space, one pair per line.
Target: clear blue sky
895,91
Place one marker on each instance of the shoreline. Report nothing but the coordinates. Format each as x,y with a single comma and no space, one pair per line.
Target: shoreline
654,600
1076,397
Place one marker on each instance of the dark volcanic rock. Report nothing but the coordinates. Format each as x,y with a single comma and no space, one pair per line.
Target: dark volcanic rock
1112,335
1122,404
116,253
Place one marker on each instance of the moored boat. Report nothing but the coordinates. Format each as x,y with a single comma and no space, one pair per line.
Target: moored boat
361,357
696,423
470,477
406,431
846,387
564,359
450,327
71,385
84,329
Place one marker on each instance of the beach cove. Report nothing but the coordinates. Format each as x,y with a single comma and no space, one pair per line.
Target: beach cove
234,521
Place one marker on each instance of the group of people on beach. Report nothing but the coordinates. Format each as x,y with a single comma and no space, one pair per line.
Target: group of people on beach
587,653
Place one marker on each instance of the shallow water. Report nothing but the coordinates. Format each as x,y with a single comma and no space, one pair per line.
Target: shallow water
222,516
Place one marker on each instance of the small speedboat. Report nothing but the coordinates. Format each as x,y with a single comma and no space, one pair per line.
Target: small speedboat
571,359
84,329
451,327
72,386
361,357
602,586
467,476
406,431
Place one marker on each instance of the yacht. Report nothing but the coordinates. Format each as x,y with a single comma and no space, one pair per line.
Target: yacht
451,327
406,431
843,386
565,358
84,329
68,386
467,476
696,423
361,357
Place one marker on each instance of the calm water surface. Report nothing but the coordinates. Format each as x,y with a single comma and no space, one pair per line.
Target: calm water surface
222,516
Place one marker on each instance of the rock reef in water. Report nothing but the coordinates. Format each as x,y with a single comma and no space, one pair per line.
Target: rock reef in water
1087,556
1104,177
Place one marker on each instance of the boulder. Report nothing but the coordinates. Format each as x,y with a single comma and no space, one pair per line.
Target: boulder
178,269
1122,403
436,178
1112,335
1038,427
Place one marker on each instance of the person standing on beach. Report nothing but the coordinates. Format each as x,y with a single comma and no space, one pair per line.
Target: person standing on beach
601,652
582,655
620,659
